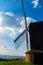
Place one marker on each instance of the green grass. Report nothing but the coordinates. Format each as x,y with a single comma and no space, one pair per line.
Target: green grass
19,62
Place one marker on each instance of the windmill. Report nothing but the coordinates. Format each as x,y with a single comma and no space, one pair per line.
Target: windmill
18,41
36,37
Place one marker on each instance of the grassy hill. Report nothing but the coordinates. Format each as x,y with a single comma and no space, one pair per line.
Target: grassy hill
18,62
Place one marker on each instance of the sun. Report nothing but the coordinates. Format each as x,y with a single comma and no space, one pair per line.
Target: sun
0,20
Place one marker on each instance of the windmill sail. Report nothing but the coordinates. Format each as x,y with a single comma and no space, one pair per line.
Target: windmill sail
25,23
20,39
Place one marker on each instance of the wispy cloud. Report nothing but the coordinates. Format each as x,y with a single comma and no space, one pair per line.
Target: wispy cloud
28,20
8,19
10,51
7,49
10,14
12,30
35,3
8,24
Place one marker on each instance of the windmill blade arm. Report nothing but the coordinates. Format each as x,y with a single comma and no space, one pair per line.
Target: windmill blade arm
20,39
20,35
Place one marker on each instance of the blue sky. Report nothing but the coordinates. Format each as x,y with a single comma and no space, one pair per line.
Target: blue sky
15,7
12,22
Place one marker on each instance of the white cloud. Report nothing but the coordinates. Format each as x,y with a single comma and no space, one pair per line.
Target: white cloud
10,51
8,23
35,3
22,23
11,34
1,30
11,30
7,30
10,14
7,49
8,19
